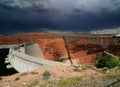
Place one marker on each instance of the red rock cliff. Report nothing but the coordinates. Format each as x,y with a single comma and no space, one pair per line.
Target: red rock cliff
53,49
84,51
81,51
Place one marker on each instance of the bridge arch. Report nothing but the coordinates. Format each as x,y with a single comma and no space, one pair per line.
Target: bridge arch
102,41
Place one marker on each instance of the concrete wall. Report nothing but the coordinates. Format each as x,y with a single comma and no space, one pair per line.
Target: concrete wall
6,46
33,50
22,62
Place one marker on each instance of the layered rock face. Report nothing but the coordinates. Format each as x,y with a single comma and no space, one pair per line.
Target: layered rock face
84,51
53,49
114,49
81,51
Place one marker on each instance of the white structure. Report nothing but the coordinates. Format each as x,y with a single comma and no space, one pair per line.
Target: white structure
23,62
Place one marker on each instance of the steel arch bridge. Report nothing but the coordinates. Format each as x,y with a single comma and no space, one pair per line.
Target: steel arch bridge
100,40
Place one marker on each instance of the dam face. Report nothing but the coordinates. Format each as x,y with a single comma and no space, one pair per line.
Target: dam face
3,69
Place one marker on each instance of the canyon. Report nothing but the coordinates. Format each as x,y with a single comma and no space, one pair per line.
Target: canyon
70,50
72,55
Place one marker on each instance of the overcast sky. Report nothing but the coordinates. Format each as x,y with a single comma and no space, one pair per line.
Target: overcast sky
22,16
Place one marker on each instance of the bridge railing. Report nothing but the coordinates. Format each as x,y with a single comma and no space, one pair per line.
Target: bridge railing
103,41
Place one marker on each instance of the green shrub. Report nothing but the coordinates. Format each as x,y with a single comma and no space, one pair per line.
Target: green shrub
46,73
63,59
1,78
76,68
17,78
107,61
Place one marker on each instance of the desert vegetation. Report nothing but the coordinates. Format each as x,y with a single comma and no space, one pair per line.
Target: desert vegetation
1,78
46,73
66,76
103,64
107,61
112,79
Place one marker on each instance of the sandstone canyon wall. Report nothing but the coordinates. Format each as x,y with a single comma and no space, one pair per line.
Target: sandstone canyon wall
53,49
81,51
53,46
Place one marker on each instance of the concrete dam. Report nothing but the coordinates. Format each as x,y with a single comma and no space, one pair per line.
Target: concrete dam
29,56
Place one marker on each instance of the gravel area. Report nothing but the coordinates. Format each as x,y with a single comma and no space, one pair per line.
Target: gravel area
101,82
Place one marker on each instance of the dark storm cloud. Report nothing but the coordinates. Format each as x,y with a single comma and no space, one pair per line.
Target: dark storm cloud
62,15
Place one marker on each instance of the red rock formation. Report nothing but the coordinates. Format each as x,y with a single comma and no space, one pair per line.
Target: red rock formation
53,46
53,49
84,51
81,51
114,49
2,37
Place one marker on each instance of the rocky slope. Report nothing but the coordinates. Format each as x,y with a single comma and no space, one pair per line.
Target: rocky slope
66,75
81,51
114,49
84,51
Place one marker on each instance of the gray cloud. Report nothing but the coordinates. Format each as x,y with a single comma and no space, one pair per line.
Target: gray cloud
66,6
107,31
59,15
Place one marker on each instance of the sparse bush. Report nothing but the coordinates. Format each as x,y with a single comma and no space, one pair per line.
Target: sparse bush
92,77
76,68
63,59
88,65
114,76
84,68
104,70
25,73
17,78
107,61
34,73
46,74
33,84
69,82
1,78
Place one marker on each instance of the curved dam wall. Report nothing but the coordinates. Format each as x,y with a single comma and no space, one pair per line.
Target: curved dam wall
23,62
33,50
